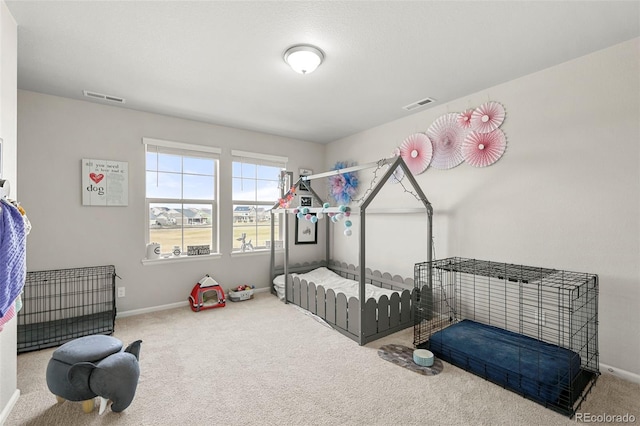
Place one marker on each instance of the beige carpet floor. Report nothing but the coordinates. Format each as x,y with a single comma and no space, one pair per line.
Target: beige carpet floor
261,362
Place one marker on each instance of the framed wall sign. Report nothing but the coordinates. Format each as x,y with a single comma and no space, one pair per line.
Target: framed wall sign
306,231
198,250
105,183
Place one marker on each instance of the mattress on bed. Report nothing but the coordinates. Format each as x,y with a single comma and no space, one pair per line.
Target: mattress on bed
330,280
528,366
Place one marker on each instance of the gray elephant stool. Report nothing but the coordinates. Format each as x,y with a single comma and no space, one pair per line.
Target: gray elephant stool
94,366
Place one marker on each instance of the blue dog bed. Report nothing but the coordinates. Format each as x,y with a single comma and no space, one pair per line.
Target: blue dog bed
535,369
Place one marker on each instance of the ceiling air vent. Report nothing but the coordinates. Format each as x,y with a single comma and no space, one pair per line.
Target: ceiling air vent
101,96
419,104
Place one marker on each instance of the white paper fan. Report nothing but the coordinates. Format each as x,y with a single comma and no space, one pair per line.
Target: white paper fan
446,137
487,117
398,173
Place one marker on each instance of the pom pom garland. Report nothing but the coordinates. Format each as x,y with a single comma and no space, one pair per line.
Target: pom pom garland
343,211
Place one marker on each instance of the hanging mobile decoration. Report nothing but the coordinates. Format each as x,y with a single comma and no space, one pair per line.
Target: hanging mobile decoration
398,173
484,149
487,117
343,186
447,137
417,151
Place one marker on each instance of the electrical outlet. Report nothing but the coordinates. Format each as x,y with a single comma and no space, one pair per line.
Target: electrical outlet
121,292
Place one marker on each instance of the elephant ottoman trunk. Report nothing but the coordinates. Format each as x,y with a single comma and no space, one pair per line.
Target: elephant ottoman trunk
93,366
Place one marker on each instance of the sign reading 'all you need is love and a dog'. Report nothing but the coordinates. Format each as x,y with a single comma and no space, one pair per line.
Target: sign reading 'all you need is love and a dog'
105,183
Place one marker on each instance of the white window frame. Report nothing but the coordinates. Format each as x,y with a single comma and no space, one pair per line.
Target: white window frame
187,150
259,159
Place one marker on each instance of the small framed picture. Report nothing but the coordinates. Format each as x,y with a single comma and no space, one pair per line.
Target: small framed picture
305,184
305,201
306,231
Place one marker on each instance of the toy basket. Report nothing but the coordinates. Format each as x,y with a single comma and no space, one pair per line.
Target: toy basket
240,295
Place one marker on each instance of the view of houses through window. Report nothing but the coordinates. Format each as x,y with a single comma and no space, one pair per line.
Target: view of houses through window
255,183
181,198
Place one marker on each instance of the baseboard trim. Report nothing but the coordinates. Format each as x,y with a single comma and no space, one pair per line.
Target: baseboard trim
623,374
141,311
4,415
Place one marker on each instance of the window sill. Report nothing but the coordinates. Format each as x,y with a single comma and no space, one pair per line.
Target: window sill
254,252
182,258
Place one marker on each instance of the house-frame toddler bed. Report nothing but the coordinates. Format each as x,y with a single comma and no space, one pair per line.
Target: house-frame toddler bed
531,330
365,315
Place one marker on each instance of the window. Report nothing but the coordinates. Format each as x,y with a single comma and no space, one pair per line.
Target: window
256,188
181,195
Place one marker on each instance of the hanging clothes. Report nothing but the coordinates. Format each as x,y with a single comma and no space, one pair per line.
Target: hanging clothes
7,317
13,250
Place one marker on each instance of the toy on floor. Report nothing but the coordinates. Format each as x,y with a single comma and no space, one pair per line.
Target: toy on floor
242,292
93,366
206,294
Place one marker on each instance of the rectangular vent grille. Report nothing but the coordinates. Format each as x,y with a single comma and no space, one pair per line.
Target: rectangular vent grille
419,104
104,97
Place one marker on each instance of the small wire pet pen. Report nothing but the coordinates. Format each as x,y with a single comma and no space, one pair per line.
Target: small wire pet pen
61,305
532,330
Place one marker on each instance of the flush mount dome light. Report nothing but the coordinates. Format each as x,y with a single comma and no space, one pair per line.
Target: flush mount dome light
303,58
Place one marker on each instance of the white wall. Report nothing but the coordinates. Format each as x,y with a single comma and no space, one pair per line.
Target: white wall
8,84
566,194
56,133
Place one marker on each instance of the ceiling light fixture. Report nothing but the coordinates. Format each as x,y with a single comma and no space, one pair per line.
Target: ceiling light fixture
303,58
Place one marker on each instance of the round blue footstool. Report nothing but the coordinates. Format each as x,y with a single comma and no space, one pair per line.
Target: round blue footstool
93,366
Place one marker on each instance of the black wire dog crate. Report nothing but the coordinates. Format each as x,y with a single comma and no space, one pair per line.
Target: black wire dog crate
531,330
61,305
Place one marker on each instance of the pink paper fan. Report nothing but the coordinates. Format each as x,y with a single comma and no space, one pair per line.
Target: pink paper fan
484,149
487,117
464,119
447,137
416,151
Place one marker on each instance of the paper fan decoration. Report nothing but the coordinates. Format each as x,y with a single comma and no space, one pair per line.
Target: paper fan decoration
487,117
416,151
464,119
484,149
447,138
342,187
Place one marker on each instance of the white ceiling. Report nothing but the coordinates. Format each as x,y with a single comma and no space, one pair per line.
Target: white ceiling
221,61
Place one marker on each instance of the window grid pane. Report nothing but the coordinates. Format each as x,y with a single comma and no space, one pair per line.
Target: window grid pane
255,188
181,223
